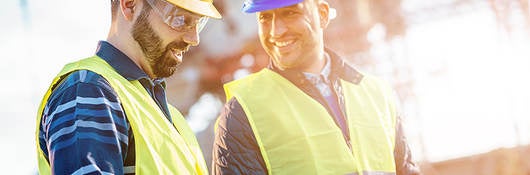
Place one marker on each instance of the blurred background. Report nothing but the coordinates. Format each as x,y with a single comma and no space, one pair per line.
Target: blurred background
460,67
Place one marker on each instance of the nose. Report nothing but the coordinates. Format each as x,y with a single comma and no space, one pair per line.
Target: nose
278,26
192,37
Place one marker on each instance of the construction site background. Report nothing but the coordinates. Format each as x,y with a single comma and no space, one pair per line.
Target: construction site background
459,67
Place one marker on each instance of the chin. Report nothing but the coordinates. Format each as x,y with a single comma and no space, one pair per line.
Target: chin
288,62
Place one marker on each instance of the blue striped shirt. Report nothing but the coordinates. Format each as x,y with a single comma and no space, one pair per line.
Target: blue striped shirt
84,129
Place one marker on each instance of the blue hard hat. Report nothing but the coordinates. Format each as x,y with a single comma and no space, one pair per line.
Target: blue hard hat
251,6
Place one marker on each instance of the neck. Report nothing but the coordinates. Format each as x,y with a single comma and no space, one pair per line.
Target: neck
316,65
126,44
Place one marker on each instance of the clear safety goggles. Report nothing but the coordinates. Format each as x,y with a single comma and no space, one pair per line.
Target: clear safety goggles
178,18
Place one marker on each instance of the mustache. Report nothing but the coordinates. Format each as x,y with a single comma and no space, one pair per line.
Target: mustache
178,45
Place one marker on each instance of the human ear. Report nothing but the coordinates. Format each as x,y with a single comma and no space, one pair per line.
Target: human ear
323,12
127,9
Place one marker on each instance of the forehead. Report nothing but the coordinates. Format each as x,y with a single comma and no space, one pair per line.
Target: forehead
299,6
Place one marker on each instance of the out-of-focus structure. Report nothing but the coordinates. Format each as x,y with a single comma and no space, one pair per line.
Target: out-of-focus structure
460,69
513,161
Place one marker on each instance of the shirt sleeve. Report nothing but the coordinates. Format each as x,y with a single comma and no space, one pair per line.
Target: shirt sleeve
402,154
83,128
235,149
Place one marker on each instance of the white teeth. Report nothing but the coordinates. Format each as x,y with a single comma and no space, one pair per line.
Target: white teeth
283,43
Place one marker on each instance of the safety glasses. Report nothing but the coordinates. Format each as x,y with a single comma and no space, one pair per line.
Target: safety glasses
178,18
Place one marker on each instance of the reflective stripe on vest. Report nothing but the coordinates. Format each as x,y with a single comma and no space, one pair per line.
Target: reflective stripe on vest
296,134
161,148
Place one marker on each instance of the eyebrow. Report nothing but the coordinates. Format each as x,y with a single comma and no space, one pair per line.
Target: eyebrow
295,6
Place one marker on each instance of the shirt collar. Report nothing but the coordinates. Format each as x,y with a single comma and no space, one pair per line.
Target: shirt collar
123,64
324,73
338,69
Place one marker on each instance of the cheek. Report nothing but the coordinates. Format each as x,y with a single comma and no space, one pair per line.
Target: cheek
262,33
165,39
263,38
165,33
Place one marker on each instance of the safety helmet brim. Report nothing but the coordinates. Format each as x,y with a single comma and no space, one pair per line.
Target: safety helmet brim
201,7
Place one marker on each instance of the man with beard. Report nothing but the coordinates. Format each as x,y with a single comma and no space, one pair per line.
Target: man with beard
309,112
108,114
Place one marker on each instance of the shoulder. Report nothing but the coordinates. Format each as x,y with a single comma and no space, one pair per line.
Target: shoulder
247,80
233,117
84,77
81,94
82,83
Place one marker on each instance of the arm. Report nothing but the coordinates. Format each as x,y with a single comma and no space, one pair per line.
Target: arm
83,128
235,150
402,155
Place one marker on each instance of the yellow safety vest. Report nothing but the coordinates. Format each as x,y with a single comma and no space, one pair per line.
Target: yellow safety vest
296,135
161,147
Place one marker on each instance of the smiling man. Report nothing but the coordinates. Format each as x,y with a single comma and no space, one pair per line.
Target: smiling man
108,114
309,112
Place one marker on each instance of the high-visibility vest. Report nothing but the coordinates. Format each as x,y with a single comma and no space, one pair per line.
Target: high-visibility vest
161,147
296,134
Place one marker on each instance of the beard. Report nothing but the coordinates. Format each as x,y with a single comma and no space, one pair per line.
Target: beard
161,59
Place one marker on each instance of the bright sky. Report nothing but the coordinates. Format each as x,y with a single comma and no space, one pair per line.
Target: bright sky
471,79
472,85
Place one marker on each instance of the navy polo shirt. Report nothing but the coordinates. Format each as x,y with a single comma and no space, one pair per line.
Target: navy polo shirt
129,70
